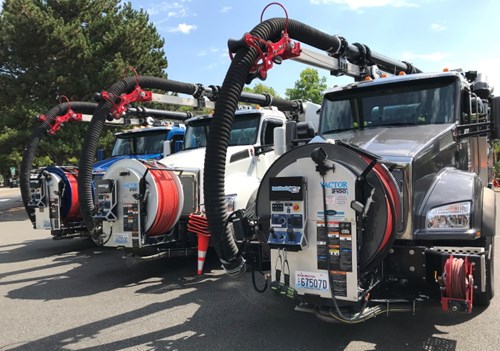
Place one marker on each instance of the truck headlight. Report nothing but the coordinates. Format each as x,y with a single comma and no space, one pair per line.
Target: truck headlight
452,216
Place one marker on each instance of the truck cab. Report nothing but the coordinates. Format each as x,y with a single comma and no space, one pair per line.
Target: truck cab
250,150
146,143
416,122
394,192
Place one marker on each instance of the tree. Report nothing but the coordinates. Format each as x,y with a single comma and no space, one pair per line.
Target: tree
51,48
309,87
260,88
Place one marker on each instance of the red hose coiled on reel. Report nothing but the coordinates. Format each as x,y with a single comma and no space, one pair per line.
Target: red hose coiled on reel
456,278
458,290
168,201
392,198
74,210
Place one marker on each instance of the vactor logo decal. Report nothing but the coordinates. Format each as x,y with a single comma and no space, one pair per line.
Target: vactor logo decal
336,187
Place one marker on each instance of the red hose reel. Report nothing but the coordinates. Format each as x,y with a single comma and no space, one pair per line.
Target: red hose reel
70,205
74,206
169,207
457,285
162,197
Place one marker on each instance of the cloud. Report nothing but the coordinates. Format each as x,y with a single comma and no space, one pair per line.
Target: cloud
434,56
211,50
225,9
359,4
436,27
176,9
180,13
184,28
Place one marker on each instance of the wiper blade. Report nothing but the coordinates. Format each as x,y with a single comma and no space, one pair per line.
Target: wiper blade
394,124
333,131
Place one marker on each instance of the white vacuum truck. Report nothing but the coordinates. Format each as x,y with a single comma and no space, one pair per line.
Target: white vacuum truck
155,209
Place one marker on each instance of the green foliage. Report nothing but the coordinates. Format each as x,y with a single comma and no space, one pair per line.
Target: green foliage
496,145
496,170
260,88
50,48
309,87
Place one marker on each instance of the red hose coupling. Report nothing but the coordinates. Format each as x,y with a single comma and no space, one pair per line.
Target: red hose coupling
57,122
136,95
283,49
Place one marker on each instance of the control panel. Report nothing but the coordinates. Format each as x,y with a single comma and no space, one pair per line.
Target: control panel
46,198
106,199
38,197
288,213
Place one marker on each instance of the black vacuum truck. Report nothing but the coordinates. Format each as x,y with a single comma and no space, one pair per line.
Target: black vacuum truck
390,204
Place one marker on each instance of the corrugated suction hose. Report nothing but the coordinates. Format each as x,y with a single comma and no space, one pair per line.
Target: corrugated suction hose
95,128
218,139
32,146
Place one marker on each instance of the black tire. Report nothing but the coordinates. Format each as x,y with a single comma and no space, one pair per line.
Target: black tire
484,298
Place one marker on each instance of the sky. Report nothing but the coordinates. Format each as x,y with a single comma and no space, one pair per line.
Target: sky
431,34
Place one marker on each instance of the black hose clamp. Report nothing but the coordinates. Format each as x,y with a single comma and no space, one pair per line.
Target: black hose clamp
198,95
410,69
269,99
361,59
215,92
342,49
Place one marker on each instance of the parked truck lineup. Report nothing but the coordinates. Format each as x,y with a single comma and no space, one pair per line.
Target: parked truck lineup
389,205
376,201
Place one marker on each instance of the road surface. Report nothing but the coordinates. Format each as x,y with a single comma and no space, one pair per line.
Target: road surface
71,295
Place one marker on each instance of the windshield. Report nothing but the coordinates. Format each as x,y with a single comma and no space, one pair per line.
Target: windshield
243,132
140,143
411,103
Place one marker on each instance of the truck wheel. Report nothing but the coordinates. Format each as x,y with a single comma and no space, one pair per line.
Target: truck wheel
484,298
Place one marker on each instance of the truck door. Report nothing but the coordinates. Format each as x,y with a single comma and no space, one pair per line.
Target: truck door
479,150
266,140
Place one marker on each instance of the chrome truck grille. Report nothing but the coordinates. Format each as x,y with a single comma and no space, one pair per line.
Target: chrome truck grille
400,175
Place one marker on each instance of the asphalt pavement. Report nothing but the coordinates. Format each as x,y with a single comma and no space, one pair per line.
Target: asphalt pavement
72,295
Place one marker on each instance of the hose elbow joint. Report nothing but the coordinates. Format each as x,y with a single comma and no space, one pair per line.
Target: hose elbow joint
235,268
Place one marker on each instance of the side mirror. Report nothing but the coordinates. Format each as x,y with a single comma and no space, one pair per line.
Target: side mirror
305,130
100,154
167,148
279,140
495,117
291,134
311,113
178,144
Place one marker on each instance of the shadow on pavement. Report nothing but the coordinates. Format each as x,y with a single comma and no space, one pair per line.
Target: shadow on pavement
17,213
217,313
218,324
